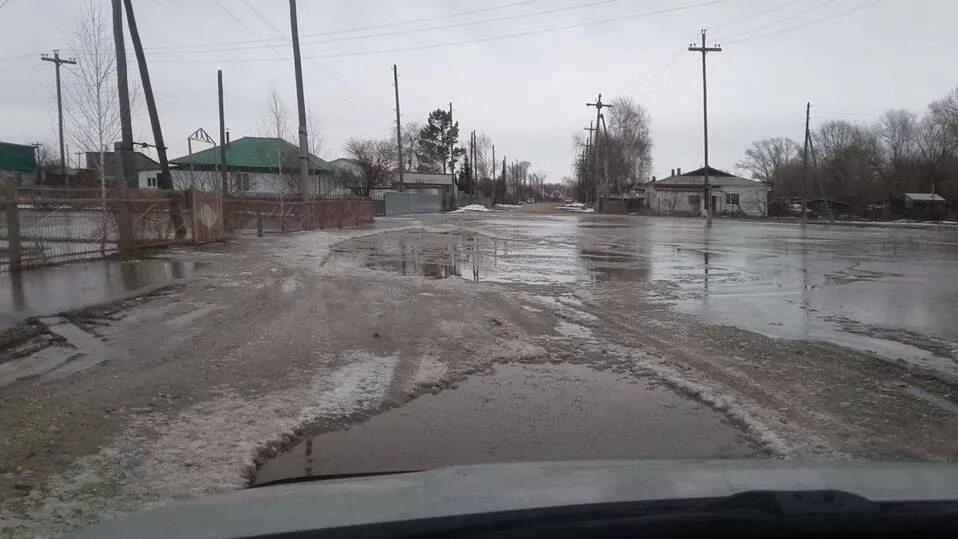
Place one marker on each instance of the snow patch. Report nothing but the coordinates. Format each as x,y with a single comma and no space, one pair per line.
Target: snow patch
470,208
205,449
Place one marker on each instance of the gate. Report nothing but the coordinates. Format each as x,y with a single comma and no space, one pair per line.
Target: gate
207,217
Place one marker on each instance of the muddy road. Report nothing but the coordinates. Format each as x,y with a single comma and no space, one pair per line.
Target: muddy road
468,338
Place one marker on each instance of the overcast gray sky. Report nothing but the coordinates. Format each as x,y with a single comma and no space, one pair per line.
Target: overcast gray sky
527,91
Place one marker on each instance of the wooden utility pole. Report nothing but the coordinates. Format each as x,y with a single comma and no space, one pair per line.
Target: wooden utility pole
300,105
57,62
599,105
808,113
588,150
122,151
402,182
165,180
224,174
705,122
452,165
494,183
472,160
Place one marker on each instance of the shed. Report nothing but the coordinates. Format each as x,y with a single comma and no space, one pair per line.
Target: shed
18,164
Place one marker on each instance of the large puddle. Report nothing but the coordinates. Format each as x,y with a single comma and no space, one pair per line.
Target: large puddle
887,291
45,291
521,413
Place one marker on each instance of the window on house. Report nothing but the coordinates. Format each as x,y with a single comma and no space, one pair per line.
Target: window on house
151,181
241,182
694,201
731,199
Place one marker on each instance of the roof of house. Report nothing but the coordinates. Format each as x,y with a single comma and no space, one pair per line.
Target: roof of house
717,178
141,162
924,197
19,157
261,153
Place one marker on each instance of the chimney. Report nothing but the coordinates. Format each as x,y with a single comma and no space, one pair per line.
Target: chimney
653,179
672,173
678,171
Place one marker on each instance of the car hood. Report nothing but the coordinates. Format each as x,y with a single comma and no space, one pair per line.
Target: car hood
463,490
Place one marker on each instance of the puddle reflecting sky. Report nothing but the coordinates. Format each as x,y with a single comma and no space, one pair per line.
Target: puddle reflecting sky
778,279
43,291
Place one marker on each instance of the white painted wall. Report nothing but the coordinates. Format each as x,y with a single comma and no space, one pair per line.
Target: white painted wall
259,182
143,179
753,201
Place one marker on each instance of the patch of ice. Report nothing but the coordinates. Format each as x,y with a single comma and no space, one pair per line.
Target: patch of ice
204,449
470,208
576,207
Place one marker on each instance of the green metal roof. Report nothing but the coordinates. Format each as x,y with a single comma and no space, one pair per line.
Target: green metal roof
253,153
17,157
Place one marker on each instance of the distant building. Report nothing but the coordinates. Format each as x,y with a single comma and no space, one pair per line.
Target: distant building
347,166
18,164
256,165
924,206
147,170
683,194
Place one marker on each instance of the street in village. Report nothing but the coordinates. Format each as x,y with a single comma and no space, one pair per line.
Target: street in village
434,340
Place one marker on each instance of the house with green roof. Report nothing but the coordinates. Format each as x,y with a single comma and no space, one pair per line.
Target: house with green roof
254,165
18,164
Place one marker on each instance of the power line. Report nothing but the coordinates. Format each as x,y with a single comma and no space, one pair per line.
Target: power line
280,55
477,40
676,75
258,44
357,28
753,16
725,39
809,23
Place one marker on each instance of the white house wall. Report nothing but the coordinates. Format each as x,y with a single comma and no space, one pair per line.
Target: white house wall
753,201
259,182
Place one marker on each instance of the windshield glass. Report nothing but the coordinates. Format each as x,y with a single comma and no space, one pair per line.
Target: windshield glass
247,242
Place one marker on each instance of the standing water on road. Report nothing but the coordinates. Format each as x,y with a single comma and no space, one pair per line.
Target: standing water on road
521,412
889,291
45,291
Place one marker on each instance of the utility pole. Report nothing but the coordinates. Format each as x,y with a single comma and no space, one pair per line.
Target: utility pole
122,151
588,150
165,180
301,107
57,62
452,165
599,105
402,182
472,160
808,112
495,184
705,122
224,174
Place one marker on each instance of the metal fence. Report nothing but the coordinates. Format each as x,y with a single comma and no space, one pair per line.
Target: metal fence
50,226
271,213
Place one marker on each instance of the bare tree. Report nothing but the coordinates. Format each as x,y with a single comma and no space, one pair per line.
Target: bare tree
377,159
316,141
629,148
410,144
275,120
484,164
766,159
671,199
93,107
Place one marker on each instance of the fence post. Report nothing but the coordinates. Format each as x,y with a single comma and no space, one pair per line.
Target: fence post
13,227
259,222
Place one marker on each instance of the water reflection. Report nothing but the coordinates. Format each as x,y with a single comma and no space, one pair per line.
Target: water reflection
44,291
